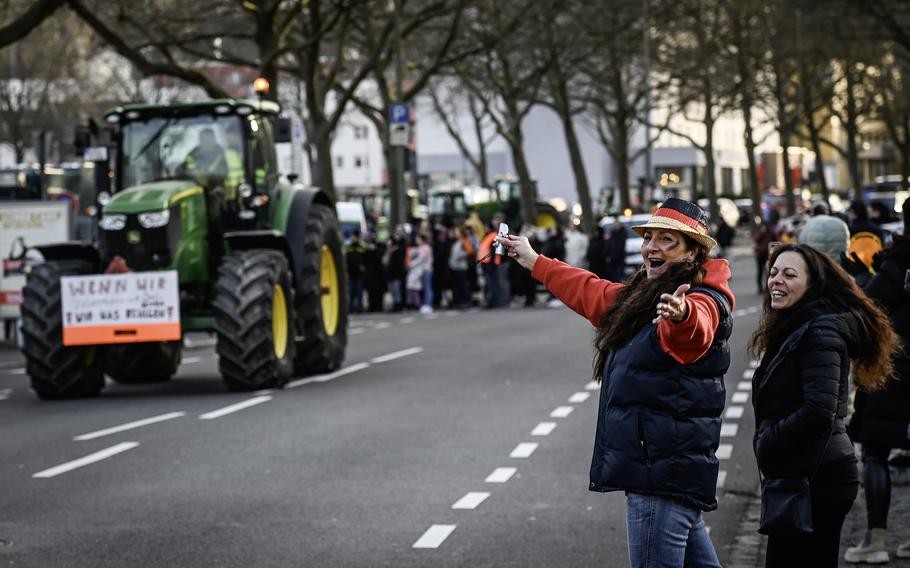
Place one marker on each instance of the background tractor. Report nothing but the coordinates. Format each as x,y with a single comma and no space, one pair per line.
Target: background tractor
195,192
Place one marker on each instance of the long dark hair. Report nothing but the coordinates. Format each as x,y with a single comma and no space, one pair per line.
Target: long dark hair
636,304
832,287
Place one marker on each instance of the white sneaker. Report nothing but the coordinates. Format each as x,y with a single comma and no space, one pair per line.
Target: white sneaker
426,309
871,551
903,551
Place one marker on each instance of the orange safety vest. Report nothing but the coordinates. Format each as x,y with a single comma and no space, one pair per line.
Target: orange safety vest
485,247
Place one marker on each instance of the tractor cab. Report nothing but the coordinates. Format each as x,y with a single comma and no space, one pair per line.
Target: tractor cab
224,147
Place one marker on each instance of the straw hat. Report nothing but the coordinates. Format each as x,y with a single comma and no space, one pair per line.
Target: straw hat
683,216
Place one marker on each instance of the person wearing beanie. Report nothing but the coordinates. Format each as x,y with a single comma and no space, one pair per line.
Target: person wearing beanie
828,234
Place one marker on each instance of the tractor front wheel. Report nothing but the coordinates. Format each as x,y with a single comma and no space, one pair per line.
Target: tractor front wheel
254,315
142,363
56,371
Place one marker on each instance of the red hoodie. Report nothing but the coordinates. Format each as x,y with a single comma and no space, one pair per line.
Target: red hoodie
590,296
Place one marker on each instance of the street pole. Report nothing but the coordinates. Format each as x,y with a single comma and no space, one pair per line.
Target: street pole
397,190
647,57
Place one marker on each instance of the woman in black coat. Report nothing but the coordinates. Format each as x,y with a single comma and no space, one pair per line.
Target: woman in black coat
816,320
880,420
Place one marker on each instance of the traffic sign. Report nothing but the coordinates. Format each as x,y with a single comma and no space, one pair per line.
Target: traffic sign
399,113
399,134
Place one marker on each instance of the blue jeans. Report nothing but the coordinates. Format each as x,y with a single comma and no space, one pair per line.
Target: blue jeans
427,280
666,533
355,288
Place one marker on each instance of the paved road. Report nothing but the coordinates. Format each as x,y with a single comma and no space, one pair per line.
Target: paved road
455,439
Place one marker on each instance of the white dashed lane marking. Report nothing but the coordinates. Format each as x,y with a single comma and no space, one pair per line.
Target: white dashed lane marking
190,360
382,325
579,397
16,372
724,451
435,535
471,500
754,363
744,386
592,386
234,408
734,412
721,478
329,376
748,373
128,426
543,429
561,412
728,430
356,331
87,460
523,450
739,397
407,320
501,475
4,394
396,355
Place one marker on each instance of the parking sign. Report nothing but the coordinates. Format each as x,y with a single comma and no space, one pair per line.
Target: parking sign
399,113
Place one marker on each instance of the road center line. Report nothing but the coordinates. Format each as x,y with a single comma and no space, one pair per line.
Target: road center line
748,373
128,426
724,451
561,412
189,360
523,450
396,355
435,535
407,320
89,459
721,478
744,386
471,500
382,325
592,386
579,397
728,430
16,372
234,407
501,475
543,429
734,412
356,331
4,394
328,377
740,397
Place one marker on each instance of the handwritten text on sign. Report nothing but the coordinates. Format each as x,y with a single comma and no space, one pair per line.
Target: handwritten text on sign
120,308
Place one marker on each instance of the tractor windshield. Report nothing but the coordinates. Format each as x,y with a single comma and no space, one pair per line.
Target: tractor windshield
204,147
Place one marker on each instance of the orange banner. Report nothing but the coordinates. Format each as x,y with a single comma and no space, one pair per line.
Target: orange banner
101,334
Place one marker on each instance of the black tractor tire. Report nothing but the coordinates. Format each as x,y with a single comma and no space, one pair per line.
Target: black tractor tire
245,299
323,345
56,371
142,363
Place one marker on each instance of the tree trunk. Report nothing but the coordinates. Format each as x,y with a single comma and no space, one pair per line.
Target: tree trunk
783,129
528,195
852,129
621,160
710,177
904,148
748,135
581,176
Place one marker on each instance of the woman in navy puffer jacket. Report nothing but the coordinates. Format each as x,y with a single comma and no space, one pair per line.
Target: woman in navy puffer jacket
662,393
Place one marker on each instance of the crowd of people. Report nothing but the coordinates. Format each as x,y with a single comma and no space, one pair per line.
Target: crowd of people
453,267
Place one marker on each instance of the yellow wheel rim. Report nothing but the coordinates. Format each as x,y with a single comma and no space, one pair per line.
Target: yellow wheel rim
279,322
546,221
328,281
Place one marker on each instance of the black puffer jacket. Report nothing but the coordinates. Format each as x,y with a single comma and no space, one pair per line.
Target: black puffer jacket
881,417
799,390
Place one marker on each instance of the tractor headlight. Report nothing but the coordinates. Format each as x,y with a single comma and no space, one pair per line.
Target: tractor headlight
113,222
154,219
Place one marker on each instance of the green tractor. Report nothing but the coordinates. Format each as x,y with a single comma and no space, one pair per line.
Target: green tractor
195,198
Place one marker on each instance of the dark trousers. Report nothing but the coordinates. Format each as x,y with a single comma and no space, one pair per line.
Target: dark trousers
355,289
761,261
877,483
822,547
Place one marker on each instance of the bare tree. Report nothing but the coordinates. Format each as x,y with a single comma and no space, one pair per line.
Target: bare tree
450,105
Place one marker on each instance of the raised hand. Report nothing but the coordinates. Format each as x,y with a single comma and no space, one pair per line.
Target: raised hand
673,307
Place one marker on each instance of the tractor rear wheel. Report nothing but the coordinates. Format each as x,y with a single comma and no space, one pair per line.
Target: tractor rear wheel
254,315
56,371
142,363
322,307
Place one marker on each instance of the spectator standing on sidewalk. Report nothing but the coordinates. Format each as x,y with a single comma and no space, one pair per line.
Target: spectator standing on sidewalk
616,251
764,234
725,234
816,320
395,261
881,419
374,278
420,274
597,254
658,425
489,264
462,250
576,247
354,256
